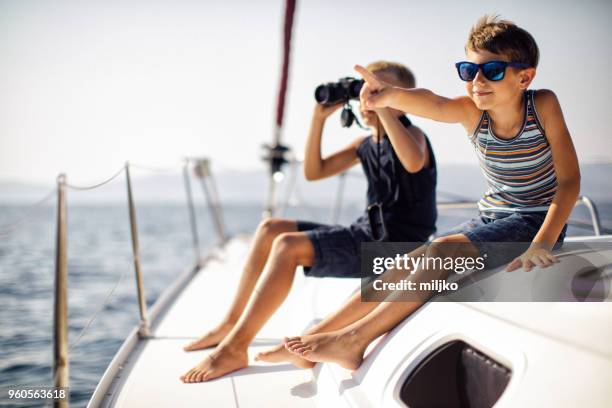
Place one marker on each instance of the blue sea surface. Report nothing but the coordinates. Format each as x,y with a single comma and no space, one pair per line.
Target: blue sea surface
100,262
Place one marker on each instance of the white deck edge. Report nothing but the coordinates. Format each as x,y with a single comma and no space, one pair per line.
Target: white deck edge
105,385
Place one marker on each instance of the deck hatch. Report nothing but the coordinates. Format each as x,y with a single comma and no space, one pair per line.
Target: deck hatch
455,375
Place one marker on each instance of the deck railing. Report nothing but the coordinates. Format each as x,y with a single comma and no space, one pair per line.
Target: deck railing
202,171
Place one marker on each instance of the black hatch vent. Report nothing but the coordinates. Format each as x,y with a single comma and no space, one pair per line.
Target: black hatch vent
455,375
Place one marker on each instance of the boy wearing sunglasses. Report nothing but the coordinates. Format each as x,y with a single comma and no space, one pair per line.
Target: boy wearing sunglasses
519,135
529,163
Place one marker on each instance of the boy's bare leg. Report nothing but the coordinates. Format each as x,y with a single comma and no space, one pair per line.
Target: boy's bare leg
265,234
347,346
353,310
288,251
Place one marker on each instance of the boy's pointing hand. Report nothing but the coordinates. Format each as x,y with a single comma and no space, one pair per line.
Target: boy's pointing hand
375,92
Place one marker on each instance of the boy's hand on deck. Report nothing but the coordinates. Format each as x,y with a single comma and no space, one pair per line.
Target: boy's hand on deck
375,92
534,256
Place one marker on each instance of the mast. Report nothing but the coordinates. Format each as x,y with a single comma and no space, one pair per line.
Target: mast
276,152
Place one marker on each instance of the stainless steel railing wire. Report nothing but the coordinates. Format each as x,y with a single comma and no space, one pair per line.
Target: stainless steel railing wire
150,244
113,288
9,228
108,296
100,184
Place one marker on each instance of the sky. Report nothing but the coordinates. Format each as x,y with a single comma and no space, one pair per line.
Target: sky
87,85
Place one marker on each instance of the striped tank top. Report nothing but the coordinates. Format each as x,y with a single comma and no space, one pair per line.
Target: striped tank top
519,172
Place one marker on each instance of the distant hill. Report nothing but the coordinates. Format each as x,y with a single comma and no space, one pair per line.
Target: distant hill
251,186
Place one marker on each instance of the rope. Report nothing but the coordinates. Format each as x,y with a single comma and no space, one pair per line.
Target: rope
97,312
108,297
10,227
99,184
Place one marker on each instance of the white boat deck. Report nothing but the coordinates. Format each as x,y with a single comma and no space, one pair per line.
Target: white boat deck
152,374
559,353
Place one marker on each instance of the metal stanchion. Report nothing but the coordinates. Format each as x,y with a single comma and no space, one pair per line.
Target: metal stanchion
60,315
143,329
202,170
216,205
192,213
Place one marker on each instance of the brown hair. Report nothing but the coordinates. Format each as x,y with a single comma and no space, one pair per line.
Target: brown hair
404,76
503,37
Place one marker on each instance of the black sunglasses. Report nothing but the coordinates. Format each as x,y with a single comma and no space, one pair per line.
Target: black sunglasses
492,70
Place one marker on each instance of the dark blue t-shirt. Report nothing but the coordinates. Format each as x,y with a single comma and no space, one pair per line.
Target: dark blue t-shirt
408,199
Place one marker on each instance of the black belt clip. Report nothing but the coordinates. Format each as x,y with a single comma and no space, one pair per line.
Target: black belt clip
377,222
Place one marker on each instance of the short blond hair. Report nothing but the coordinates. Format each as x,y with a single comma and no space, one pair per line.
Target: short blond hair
503,37
403,75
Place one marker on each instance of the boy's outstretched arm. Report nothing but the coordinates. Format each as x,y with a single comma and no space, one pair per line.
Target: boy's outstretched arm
408,143
378,94
568,184
317,167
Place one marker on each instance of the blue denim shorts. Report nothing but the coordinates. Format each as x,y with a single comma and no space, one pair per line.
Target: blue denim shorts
486,233
336,250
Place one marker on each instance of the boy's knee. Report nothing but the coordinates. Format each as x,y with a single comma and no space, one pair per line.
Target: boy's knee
293,244
269,226
455,238
285,242
450,245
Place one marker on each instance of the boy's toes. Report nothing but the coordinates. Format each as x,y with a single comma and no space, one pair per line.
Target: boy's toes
185,376
301,350
293,343
295,347
292,339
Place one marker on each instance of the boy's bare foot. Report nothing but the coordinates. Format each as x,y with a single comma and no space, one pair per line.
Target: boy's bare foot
210,339
343,348
221,361
280,354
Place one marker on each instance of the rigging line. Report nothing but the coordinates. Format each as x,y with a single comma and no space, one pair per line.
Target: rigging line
99,184
97,312
10,227
106,300
109,295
